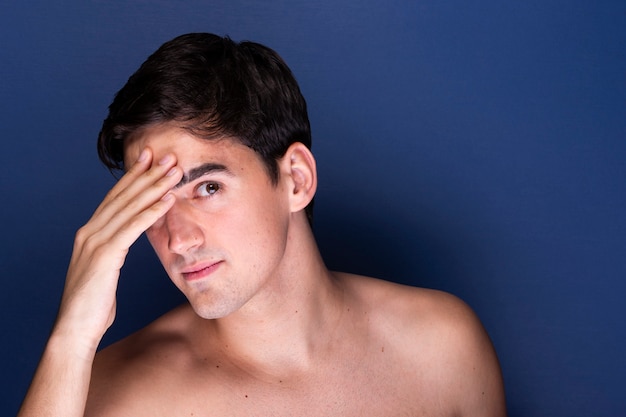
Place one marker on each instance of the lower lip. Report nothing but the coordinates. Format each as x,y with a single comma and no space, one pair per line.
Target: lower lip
201,273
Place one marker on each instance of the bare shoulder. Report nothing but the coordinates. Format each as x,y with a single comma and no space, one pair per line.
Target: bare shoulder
441,338
420,311
139,365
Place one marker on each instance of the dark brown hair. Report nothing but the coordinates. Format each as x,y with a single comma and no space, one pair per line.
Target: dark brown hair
213,87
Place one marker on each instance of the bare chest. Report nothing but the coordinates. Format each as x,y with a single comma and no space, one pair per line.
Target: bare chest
351,388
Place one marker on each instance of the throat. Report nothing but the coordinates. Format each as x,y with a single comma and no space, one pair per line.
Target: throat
290,337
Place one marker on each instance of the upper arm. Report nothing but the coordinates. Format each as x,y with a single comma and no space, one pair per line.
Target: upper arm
469,362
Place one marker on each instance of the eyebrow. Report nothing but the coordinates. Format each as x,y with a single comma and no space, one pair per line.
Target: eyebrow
201,170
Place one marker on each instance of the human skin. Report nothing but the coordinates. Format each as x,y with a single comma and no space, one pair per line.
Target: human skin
60,384
268,329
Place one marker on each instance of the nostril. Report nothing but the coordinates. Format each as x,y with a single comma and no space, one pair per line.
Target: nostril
183,239
182,232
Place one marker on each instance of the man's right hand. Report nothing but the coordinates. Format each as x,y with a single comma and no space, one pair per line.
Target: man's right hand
87,309
138,200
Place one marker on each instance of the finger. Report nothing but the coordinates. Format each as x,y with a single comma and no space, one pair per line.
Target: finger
131,203
141,165
139,188
107,249
160,174
127,233
134,204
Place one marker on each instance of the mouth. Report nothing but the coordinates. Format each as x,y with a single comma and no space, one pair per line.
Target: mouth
200,271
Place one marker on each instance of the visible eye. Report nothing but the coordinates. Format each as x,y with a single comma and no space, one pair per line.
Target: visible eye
207,189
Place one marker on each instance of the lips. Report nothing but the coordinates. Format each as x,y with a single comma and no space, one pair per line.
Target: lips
200,271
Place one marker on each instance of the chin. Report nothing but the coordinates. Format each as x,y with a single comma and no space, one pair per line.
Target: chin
211,311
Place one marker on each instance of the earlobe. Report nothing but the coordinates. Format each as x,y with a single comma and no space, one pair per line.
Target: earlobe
300,168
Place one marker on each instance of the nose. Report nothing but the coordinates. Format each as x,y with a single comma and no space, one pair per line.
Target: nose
184,233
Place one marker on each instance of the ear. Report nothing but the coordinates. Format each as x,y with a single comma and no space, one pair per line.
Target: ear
300,172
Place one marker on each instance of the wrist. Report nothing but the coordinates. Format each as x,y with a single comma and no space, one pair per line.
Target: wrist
70,341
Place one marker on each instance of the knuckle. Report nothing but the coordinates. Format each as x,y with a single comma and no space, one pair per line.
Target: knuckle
81,235
92,245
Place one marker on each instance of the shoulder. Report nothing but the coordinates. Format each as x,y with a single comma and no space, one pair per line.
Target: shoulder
441,338
467,368
168,332
421,310
132,369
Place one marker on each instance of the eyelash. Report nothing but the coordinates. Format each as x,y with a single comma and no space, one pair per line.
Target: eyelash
210,187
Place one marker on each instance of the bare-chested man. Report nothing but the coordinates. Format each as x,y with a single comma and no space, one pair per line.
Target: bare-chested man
214,138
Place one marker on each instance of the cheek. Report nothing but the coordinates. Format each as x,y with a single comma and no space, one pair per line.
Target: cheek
157,238
259,225
272,226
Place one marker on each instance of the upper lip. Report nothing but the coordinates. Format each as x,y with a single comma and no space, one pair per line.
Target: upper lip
198,267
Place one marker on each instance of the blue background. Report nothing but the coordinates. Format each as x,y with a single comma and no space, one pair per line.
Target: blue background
475,147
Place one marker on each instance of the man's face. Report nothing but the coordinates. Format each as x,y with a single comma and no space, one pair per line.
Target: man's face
225,236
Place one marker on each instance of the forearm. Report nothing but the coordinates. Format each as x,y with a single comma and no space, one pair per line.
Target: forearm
61,382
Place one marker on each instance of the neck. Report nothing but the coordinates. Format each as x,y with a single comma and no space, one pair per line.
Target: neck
291,322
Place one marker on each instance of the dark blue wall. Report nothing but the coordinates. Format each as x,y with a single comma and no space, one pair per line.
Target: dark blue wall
475,147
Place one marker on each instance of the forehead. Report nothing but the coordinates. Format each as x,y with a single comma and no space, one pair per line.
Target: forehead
189,149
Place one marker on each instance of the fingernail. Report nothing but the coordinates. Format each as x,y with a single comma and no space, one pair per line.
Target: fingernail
143,156
171,172
167,197
167,158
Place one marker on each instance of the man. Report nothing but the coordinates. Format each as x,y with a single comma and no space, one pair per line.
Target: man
214,138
